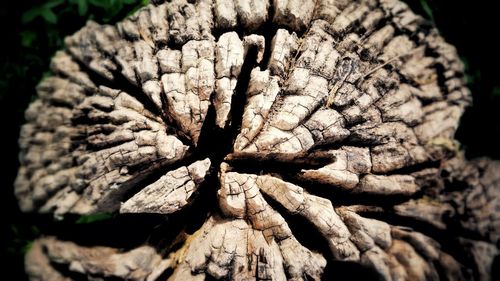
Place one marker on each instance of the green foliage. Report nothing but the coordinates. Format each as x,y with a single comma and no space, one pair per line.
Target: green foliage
59,18
43,27
84,219
22,239
27,38
427,9
44,11
110,9
27,247
471,76
496,91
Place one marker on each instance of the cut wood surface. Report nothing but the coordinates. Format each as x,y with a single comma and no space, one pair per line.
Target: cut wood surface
278,140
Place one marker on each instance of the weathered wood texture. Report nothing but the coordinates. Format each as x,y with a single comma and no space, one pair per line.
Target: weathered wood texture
312,135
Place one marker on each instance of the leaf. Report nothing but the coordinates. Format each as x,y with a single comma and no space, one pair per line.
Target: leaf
14,229
30,15
35,231
27,247
465,61
46,74
103,4
141,4
84,219
471,76
427,9
83,7
496,91
27,38
54,38
53,3
48,15
45,11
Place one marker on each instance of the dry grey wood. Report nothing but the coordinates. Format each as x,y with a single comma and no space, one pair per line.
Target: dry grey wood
169,193
142,263
302,133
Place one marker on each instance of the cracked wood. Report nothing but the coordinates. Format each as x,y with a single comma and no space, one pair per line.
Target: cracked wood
266,115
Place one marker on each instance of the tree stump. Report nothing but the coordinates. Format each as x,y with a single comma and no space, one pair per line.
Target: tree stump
275,140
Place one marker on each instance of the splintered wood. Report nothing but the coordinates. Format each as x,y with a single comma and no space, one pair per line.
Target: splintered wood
305,135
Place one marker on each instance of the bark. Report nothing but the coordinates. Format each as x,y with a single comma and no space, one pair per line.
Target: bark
280,140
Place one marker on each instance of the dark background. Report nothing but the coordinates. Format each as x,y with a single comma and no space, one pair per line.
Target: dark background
32,30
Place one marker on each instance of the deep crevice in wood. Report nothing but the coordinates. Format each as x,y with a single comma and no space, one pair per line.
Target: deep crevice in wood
341,197
239,98
311,240
119,83
114,232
